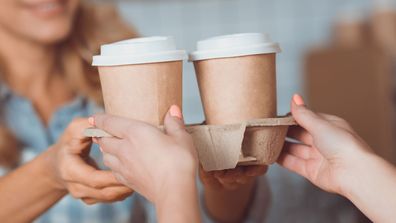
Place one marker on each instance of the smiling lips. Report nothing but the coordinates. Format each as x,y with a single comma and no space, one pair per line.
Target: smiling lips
47,8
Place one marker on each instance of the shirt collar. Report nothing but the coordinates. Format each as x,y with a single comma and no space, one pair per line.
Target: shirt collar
75,104
5,92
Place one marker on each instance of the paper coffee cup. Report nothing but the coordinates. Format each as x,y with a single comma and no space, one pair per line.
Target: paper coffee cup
141,78
237,77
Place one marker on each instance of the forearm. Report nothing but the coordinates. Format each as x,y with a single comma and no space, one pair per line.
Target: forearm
28,191
179,203
374,191
229,206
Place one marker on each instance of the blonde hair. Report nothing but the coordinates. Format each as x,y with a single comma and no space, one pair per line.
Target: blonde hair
95,24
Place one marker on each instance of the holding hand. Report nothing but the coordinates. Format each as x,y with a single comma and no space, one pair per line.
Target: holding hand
336,159
76,172
231,179
162,167
329,150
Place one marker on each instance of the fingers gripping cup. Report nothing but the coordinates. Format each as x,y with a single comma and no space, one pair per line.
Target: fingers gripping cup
237,80
141,78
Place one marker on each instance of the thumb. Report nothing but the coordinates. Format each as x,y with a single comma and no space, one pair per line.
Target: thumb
306,118
174,123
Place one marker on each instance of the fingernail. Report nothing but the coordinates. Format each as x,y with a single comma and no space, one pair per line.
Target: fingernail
298,100
91,121
175,111
95,140
101,149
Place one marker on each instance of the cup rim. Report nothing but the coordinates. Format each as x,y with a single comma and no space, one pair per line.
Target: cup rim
168,56
248,44
141,50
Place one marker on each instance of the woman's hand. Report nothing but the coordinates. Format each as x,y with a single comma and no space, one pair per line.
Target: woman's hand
336,159
143,157
330,149
77,173
160,166
231,179
229,193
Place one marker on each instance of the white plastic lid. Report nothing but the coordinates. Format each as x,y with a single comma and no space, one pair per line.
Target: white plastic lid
243,44
139,51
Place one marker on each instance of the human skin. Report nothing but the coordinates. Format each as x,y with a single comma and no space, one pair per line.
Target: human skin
30,31
333,157
34,187
227,193
160,166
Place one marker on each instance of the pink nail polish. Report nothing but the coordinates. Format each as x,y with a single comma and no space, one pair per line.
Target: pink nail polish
298,100
91,121
175,111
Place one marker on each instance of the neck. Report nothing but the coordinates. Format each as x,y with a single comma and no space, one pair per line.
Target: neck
27,64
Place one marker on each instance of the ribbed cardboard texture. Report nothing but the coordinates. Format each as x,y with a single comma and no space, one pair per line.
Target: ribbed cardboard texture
226,146
142,92
234,90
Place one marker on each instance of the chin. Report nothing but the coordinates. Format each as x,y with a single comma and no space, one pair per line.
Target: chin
52,36
46,22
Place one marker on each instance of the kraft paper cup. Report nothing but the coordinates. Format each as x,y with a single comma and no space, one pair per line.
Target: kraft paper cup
237,77
237,81
141,78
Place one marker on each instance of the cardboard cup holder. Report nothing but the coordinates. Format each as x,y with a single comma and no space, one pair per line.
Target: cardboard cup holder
255,142
236,77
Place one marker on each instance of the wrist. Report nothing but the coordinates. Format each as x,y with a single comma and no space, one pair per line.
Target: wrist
359,168
49,170
174,184
219,202
177,193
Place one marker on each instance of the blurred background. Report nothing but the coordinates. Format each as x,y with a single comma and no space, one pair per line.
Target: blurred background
337,53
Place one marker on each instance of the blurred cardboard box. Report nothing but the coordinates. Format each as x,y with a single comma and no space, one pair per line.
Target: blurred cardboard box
357,85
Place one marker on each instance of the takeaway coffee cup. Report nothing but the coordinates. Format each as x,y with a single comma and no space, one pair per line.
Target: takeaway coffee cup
237,77
141,78
237,81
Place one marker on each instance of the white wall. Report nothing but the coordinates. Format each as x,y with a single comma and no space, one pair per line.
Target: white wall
295,24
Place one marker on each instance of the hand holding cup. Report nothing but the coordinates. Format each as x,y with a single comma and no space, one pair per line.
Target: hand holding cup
231,179
144,158
76,172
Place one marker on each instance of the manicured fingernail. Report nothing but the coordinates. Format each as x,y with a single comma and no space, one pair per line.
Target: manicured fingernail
175,111
91,120
298,100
